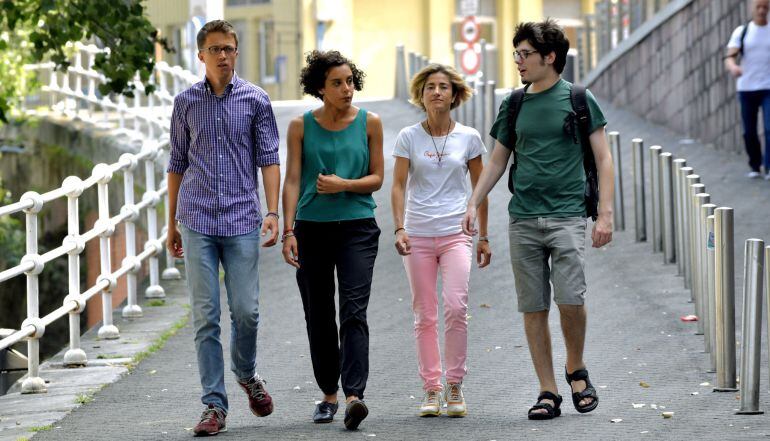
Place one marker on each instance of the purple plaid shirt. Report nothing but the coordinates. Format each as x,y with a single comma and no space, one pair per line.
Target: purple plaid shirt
217,144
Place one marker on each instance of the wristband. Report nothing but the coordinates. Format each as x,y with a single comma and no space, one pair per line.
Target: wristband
483,238
399,229
286,234
272,213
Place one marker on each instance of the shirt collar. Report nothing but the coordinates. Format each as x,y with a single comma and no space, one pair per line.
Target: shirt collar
234,82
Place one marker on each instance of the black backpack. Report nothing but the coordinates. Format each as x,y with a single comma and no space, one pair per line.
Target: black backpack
743,37
580,117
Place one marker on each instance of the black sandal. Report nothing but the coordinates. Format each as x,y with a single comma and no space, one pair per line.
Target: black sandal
551,411
588,392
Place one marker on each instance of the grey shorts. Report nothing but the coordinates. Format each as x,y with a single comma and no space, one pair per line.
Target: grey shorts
536,241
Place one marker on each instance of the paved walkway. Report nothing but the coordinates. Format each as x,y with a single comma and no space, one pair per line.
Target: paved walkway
635,335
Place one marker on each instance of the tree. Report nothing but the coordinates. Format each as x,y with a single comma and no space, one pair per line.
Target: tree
36,30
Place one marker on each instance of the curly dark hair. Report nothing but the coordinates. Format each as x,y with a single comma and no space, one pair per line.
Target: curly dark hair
313,75
546,37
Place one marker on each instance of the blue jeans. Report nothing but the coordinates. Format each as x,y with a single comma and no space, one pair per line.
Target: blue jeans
750,105
239,257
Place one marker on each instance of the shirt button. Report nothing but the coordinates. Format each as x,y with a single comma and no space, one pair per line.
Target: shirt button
219,119
219,137
220,156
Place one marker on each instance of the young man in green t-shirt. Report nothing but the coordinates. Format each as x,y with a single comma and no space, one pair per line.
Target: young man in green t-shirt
547,210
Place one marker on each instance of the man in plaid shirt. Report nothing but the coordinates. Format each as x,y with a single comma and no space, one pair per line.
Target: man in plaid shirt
222,130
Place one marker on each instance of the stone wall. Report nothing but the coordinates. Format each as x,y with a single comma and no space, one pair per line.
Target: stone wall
675,75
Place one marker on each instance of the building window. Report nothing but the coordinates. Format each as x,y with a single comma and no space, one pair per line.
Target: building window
247,2
267,52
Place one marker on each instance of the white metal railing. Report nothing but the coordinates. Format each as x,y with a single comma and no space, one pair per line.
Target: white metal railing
74,94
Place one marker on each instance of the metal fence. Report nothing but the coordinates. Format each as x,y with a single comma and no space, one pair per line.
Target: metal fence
145,119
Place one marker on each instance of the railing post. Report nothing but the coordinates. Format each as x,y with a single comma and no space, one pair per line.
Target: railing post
154,290
678,164
640,216
724,294
753,269
108,330
668,211
132,309
619,214
75,356
33,383
706,209
655,205
689,181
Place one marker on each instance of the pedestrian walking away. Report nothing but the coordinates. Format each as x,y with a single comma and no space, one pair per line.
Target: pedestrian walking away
222,130
433,158
555,140
334,164
748,60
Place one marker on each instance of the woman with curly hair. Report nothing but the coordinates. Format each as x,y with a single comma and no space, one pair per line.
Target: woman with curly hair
334,165
433,160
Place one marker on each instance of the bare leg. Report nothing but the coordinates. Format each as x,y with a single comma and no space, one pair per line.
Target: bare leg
573,326
539,341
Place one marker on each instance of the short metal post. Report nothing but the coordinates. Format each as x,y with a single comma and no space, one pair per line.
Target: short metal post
75,356
619,215
132,309
689,180
753,269
154,290
657,231
767,287
108,330
33,384
667,203
479,106
677,166
490,114
706,298
700,198
471,106
724,299
710,288
412,65
590,35
639,204
484,60
401,87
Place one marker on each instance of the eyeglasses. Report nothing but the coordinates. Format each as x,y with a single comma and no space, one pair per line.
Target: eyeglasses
518,56
215,50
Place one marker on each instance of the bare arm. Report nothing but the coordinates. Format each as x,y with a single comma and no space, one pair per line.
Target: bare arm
291,188
397,191
173,238
602,230
489,177
271,178
483,253
370,183
731,63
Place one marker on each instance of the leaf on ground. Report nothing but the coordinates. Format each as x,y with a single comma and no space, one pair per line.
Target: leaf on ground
485,305
667,414
644,384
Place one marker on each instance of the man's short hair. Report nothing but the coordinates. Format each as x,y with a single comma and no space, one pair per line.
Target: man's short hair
216,26
546,37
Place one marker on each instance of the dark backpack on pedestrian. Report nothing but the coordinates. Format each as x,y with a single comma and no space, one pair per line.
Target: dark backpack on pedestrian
578,126
743,37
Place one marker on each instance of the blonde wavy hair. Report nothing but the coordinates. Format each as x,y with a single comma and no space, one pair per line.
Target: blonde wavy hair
460,90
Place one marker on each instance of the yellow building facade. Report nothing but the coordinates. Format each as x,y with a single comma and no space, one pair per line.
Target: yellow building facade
274,35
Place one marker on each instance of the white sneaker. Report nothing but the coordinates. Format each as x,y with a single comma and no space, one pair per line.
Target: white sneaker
753,175
455,401
431,404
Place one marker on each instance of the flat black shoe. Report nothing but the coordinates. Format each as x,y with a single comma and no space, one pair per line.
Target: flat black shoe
355,412
551,412
324,412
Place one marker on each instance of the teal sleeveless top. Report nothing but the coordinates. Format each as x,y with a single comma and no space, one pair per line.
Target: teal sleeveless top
344,153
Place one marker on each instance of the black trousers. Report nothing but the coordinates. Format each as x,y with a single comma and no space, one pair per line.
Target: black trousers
350,247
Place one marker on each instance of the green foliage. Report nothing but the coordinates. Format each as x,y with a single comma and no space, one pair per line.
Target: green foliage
83,399
47,25
12,239
41,428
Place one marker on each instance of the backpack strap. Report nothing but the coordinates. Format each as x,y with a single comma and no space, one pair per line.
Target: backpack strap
514,106
743,37
577,96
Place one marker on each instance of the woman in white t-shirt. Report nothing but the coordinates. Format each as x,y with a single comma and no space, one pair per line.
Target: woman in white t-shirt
433,159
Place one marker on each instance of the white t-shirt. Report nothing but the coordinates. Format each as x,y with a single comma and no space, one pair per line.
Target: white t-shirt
756,57
437,194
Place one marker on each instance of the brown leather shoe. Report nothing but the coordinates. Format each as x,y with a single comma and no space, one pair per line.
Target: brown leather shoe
212,422
260,402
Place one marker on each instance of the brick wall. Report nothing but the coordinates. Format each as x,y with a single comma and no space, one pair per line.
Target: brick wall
676,77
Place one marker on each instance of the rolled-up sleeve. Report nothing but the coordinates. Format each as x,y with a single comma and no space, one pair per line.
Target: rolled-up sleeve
179,139
265,133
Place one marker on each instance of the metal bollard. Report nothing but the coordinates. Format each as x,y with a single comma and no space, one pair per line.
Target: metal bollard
402,83
478,105
490,115
698,199
724,299
412,65
619,214
668,217
677,167
753,267
657,231
706,271
688,181
767,286
637,146
711,290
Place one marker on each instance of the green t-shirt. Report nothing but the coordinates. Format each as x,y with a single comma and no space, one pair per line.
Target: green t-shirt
549,180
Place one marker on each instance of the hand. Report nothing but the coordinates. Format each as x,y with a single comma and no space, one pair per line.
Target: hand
328,184
270,223
602,231
469,221
174,242
290,251
483,253
736,71
403,246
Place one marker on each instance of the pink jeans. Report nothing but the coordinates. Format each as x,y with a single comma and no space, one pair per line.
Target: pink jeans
452,254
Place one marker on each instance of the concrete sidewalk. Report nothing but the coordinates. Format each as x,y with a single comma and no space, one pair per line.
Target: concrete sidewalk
635,336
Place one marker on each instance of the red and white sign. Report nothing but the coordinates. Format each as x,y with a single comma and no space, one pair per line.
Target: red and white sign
470,60
469,30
